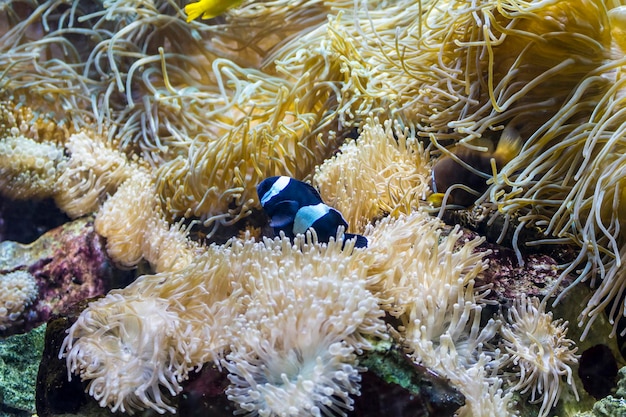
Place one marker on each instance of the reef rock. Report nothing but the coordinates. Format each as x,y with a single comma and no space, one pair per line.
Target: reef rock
613,405
394,385
41,279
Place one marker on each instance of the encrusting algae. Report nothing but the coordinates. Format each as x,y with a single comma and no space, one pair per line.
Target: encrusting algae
153,121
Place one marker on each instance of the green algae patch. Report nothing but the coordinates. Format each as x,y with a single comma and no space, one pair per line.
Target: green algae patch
405,387
19,362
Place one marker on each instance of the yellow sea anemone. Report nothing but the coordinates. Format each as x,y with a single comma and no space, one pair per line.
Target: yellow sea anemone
385,174
566,181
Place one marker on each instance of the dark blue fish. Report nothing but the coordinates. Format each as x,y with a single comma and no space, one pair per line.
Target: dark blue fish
295,206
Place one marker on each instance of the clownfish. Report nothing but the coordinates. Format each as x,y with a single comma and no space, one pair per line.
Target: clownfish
294,207
447,172
209,9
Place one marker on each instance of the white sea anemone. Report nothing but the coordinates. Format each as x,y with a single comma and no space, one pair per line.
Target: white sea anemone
18,290
123,346
314,380
427,282
540,349
307,314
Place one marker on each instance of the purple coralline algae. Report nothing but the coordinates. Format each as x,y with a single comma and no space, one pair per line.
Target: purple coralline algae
42,279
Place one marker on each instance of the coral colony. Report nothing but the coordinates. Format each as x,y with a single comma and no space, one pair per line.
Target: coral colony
153,121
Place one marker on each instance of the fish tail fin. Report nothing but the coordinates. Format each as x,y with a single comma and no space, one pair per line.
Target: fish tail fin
195,10
436,199
209,9
361,241
509,145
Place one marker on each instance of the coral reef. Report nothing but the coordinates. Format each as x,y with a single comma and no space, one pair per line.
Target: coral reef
158,126
401,388
613,405
55,394
538,274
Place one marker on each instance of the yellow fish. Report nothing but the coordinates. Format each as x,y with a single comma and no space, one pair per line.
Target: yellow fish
209,8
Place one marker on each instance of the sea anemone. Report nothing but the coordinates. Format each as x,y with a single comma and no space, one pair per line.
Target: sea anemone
156,119
29,168
122,346
566,181
78,174
427,282
250,300
92,172
540,351
383,169
160,327
316,380
422,256
18,290
186,110
135,227
307,315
